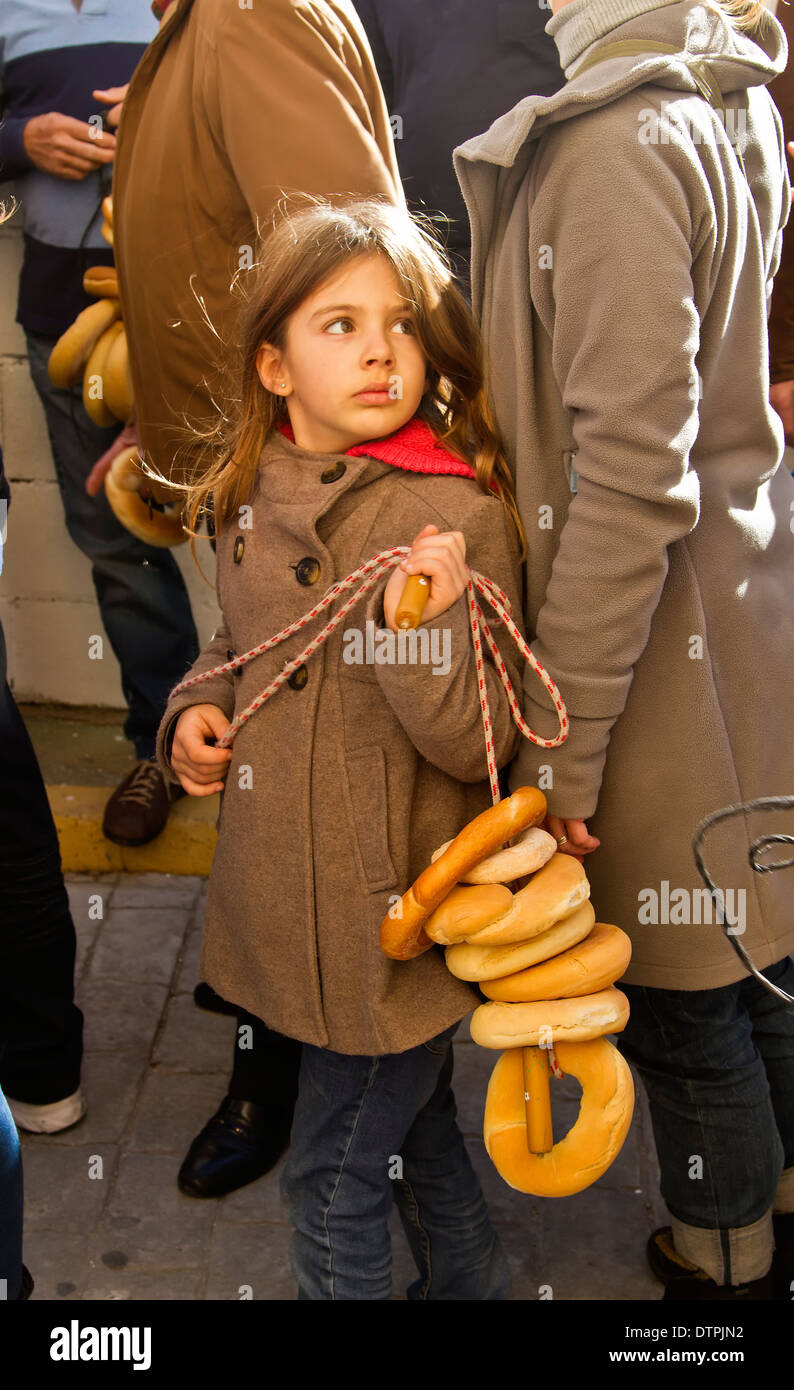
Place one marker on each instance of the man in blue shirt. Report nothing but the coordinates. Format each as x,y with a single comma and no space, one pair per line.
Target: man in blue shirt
54,55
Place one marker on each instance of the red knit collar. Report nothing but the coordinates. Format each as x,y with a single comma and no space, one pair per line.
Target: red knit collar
414,447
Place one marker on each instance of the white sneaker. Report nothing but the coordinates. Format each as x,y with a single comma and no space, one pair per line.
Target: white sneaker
48,1119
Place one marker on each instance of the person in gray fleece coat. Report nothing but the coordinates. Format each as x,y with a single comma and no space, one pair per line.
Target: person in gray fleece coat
625,234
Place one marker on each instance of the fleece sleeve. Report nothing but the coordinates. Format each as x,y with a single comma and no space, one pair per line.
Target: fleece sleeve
620,310
307,79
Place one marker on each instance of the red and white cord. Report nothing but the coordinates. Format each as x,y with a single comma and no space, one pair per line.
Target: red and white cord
370,572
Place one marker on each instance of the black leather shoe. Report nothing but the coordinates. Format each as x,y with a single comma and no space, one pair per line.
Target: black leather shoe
239,1144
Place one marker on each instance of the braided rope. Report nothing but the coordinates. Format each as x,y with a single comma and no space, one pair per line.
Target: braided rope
370,572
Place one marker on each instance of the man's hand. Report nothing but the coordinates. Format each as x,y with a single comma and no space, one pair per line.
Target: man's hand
114,98
579,842
124,440
781,398
199,765
68,148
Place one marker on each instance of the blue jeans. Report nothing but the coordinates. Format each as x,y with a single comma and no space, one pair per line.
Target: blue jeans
369,1129
10,1204
718,1067
140,590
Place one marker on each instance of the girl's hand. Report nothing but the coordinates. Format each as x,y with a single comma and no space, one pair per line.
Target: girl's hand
580,841
198,765
442,557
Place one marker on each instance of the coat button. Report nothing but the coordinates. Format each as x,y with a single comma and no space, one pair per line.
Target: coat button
239,547
307,570
298,678
230,655
334,473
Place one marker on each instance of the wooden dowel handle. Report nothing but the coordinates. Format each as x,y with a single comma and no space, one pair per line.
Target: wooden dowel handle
537,1099
412,603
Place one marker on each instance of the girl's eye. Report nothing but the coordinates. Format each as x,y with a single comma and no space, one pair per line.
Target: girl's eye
404,326
335,326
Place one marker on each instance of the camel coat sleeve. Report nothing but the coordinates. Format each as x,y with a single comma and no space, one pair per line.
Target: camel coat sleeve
317,96
229,111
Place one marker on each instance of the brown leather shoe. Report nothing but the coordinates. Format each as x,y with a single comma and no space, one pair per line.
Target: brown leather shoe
138,808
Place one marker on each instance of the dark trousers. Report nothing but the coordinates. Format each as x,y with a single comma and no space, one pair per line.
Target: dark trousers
718,1067
41,1029
140,590
266,1065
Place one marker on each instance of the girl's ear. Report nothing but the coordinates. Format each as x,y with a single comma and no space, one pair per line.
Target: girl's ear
270,371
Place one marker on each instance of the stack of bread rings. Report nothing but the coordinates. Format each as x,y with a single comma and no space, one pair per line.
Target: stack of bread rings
95,348
548,969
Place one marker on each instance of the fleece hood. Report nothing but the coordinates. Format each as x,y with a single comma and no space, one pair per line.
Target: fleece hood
699,32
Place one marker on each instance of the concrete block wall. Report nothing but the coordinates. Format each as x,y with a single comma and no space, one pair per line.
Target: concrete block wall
47,603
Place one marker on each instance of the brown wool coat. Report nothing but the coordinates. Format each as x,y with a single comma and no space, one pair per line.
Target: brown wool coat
622,283
229,110
356,777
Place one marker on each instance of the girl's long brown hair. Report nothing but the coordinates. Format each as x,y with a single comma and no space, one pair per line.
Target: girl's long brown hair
307,247
751,16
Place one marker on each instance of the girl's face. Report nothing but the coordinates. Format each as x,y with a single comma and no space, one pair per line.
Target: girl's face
352,368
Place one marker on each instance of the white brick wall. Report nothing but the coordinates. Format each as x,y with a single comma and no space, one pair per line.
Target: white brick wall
47,604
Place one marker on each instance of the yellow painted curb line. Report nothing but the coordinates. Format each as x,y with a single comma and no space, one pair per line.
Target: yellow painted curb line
185,846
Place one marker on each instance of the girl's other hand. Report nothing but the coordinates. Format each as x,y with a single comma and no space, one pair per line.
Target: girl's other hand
196,763
442,557
580,841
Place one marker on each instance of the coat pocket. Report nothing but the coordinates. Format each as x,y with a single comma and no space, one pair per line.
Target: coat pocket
366,780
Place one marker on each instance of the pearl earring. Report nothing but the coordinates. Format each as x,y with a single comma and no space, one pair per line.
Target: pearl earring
283,384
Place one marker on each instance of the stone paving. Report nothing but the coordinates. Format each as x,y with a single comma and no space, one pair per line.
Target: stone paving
104,1218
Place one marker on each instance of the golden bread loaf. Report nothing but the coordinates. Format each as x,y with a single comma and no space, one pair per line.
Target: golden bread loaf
588,1148
552,893
68,358
591,965
402,934
499,1025
470,962
530,852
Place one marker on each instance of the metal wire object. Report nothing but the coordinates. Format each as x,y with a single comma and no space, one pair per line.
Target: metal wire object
757,848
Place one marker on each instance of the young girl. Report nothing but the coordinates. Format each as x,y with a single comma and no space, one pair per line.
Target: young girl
361,401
